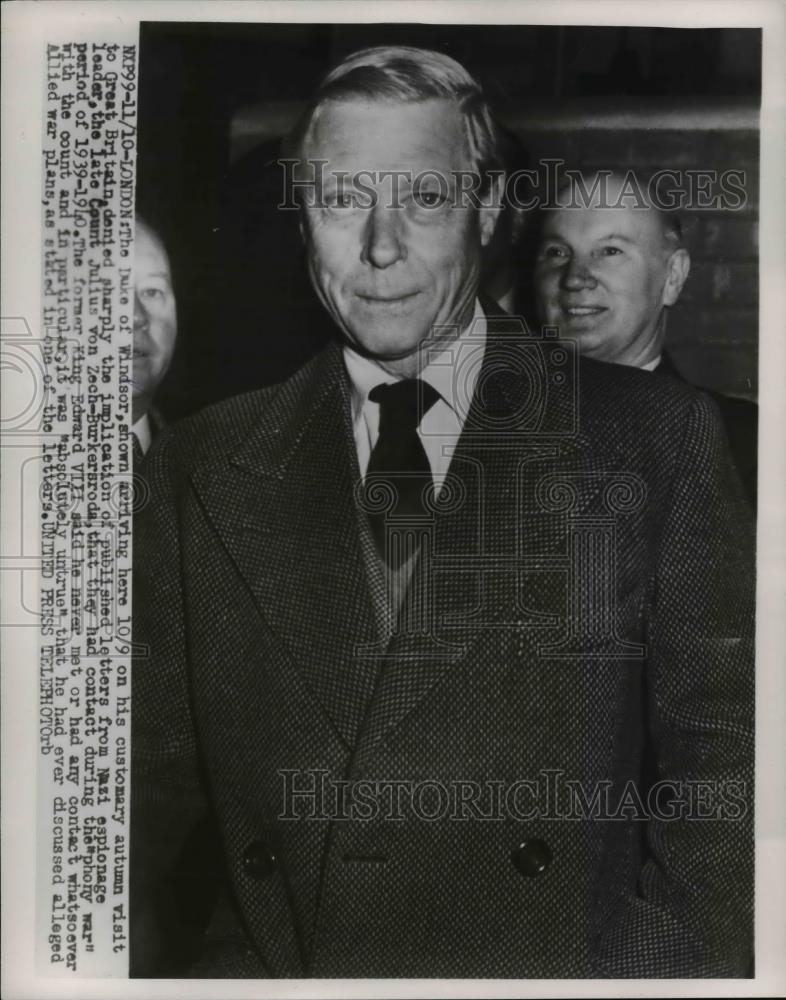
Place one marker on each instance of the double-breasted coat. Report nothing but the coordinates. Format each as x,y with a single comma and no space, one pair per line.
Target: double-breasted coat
579,629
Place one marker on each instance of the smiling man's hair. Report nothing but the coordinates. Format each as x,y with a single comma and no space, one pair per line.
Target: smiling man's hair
404,74
143,225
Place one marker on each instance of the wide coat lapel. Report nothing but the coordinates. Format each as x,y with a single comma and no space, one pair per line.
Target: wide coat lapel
283,507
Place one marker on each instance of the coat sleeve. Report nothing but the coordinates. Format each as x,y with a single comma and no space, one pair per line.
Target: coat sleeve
693,913
169,819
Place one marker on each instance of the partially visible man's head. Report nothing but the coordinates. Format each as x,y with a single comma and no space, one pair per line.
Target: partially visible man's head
155,317
606,272
394,249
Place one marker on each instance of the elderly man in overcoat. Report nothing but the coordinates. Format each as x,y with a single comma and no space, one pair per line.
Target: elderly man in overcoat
448,638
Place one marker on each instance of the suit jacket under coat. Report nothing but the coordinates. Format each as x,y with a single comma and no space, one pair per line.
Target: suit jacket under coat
260,610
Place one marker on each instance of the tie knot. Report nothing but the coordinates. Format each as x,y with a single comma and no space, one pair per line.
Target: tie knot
403,404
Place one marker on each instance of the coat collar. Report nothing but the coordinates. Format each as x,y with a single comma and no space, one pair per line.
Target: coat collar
284,507
293,411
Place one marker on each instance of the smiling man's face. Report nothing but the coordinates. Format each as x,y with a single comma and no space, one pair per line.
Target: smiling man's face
604,276
155,318
388,275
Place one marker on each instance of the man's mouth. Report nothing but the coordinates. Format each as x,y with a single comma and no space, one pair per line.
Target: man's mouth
583,310
387,299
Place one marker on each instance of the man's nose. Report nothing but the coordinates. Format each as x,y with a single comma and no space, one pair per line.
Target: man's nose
383,243
141,318
577,274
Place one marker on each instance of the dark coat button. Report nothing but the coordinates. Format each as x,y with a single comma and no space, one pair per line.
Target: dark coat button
259,862
532,858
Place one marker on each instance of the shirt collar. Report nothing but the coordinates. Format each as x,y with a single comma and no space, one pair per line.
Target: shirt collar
463,355
142,432
652,365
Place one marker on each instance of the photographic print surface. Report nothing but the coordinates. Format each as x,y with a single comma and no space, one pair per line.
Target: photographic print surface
382,396
402,738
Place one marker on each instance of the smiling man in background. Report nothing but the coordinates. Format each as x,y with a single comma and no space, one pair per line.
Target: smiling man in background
360,582
608,269
155,331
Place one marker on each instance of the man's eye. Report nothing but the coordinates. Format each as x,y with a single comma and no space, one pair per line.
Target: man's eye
342,199
151,293
553,251
428,199
611,251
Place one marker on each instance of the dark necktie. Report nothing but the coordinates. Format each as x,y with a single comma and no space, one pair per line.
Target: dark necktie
399,474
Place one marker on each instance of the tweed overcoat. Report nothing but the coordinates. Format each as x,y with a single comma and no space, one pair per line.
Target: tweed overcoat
740,421
579,629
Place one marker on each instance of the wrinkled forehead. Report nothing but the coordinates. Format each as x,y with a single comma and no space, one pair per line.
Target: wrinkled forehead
641,226
388,133
598,200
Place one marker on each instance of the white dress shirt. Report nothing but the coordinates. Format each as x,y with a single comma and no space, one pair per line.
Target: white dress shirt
143,433
453,372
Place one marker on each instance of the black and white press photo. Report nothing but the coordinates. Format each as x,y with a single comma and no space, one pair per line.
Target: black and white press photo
393,499
445,570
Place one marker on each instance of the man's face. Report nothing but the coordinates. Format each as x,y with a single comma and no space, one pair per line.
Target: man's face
387,275
603,275
155,318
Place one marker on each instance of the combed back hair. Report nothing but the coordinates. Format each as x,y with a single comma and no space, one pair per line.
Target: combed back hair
672,227
142,222
406,74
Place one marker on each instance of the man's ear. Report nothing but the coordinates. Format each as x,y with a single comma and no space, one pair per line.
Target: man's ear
490,209
677,271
